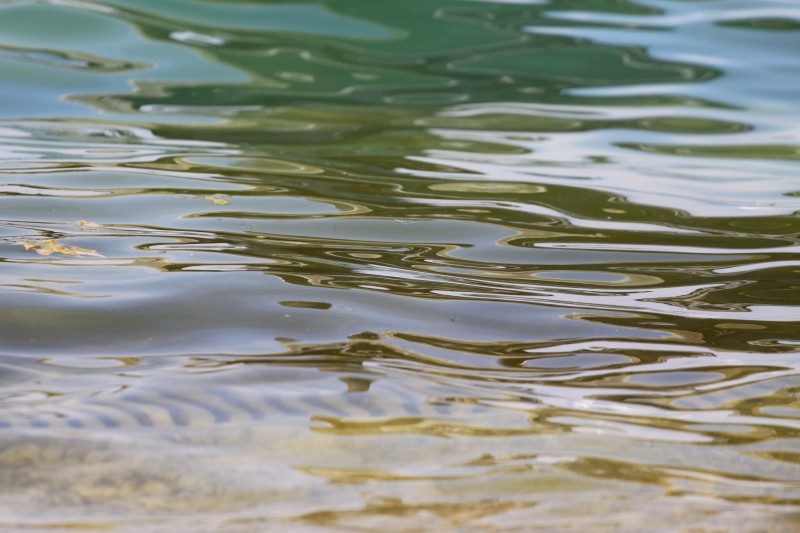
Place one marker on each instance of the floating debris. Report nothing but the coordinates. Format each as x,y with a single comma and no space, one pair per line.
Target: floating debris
219,199
52,246
216,198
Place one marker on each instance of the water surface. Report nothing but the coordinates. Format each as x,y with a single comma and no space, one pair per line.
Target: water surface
438,264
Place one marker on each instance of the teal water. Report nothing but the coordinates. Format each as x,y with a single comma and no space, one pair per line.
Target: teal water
441,265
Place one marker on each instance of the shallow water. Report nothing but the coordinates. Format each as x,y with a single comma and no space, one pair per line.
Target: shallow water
349,265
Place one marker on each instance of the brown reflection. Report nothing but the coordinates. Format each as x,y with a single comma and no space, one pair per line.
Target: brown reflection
720,334
610,469
42,289
418,426
357,384
387,511
375,475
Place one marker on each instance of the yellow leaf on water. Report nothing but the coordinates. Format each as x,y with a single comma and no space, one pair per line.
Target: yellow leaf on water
52,246
88,224
218,199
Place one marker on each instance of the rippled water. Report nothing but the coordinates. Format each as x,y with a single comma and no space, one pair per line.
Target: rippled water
435,265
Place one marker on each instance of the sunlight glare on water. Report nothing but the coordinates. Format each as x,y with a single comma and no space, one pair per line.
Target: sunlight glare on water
440,265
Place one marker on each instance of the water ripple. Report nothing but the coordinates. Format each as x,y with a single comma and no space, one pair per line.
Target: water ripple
444,265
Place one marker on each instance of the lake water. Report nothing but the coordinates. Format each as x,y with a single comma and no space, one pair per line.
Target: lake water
424,265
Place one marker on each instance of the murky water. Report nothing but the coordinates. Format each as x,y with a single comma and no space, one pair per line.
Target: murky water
438,265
